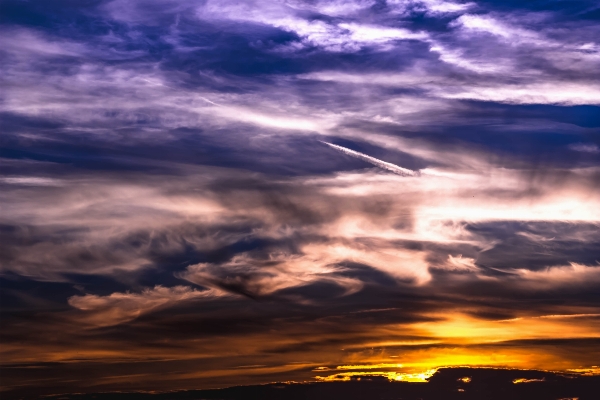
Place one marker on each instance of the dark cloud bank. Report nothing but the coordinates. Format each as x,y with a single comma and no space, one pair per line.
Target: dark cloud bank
457,383
196,195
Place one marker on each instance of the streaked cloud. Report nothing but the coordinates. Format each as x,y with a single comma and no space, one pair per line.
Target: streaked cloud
585,147
118,308
372,160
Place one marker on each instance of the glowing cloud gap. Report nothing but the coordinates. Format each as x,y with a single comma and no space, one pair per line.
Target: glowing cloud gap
371,366
375,161
390,375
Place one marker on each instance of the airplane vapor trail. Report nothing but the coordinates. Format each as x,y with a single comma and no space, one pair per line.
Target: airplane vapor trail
375,161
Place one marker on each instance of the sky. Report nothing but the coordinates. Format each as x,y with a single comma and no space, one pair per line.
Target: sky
199,194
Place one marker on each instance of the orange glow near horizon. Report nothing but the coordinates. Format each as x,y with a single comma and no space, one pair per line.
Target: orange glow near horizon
459,328
463,341
390,375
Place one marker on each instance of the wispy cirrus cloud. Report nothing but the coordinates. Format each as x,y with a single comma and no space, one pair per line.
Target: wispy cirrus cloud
118,308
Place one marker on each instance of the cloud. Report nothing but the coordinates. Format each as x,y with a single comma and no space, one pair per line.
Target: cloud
31,180
557,276
585,147
340,37
459,263
333,7
263,277
536,93
431,7
372,160
119,308
456,57
165,196
374,34
493,26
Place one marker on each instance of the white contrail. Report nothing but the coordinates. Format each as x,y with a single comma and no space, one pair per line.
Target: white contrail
372,160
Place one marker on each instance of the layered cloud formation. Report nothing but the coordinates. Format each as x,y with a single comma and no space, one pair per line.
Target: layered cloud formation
239,192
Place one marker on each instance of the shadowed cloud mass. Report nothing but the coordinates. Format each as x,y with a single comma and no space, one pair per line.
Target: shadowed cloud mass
204,194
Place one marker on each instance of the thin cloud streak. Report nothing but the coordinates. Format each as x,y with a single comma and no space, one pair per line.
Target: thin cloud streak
372,160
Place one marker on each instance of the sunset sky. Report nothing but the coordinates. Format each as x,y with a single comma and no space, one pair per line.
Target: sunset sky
199,194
